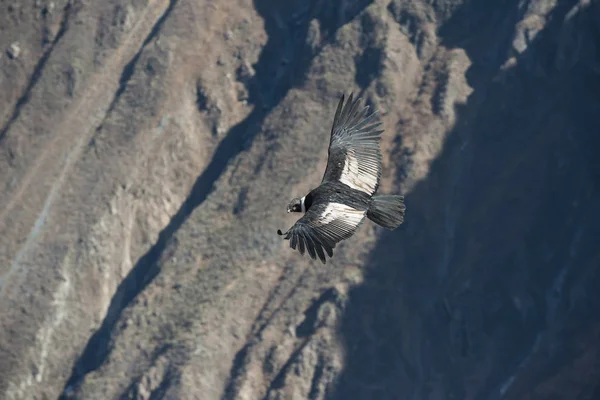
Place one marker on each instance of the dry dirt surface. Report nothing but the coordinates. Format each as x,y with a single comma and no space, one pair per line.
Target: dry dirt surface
148,149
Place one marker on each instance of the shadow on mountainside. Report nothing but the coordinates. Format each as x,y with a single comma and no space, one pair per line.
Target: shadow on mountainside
281,66
487,290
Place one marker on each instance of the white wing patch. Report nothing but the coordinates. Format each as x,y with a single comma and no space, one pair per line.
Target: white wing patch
342,213
355,178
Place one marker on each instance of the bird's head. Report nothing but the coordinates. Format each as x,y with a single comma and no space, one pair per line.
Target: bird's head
295,205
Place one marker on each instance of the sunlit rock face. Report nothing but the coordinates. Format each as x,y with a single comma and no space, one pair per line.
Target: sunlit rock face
148,150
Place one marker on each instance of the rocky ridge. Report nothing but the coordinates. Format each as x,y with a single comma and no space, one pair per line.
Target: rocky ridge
146,147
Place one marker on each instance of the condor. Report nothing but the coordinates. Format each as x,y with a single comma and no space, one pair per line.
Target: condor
346,196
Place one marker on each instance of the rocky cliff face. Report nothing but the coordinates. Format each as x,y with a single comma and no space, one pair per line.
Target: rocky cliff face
148,149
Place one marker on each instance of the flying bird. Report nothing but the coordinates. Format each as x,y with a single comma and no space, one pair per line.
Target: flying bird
346,196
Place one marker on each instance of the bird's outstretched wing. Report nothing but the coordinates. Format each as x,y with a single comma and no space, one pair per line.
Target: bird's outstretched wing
322,227
354,154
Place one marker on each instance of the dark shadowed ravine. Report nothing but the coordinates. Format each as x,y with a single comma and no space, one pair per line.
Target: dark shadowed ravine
513,196
148,150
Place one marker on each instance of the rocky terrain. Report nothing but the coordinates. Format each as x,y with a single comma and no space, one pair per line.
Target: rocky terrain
148,149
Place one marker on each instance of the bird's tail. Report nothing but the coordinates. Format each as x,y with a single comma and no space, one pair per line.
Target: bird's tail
387,210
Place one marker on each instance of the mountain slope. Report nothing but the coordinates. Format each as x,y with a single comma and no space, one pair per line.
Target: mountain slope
149,149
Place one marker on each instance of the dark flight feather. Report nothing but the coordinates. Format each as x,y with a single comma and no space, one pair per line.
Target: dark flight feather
354,156
322,227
